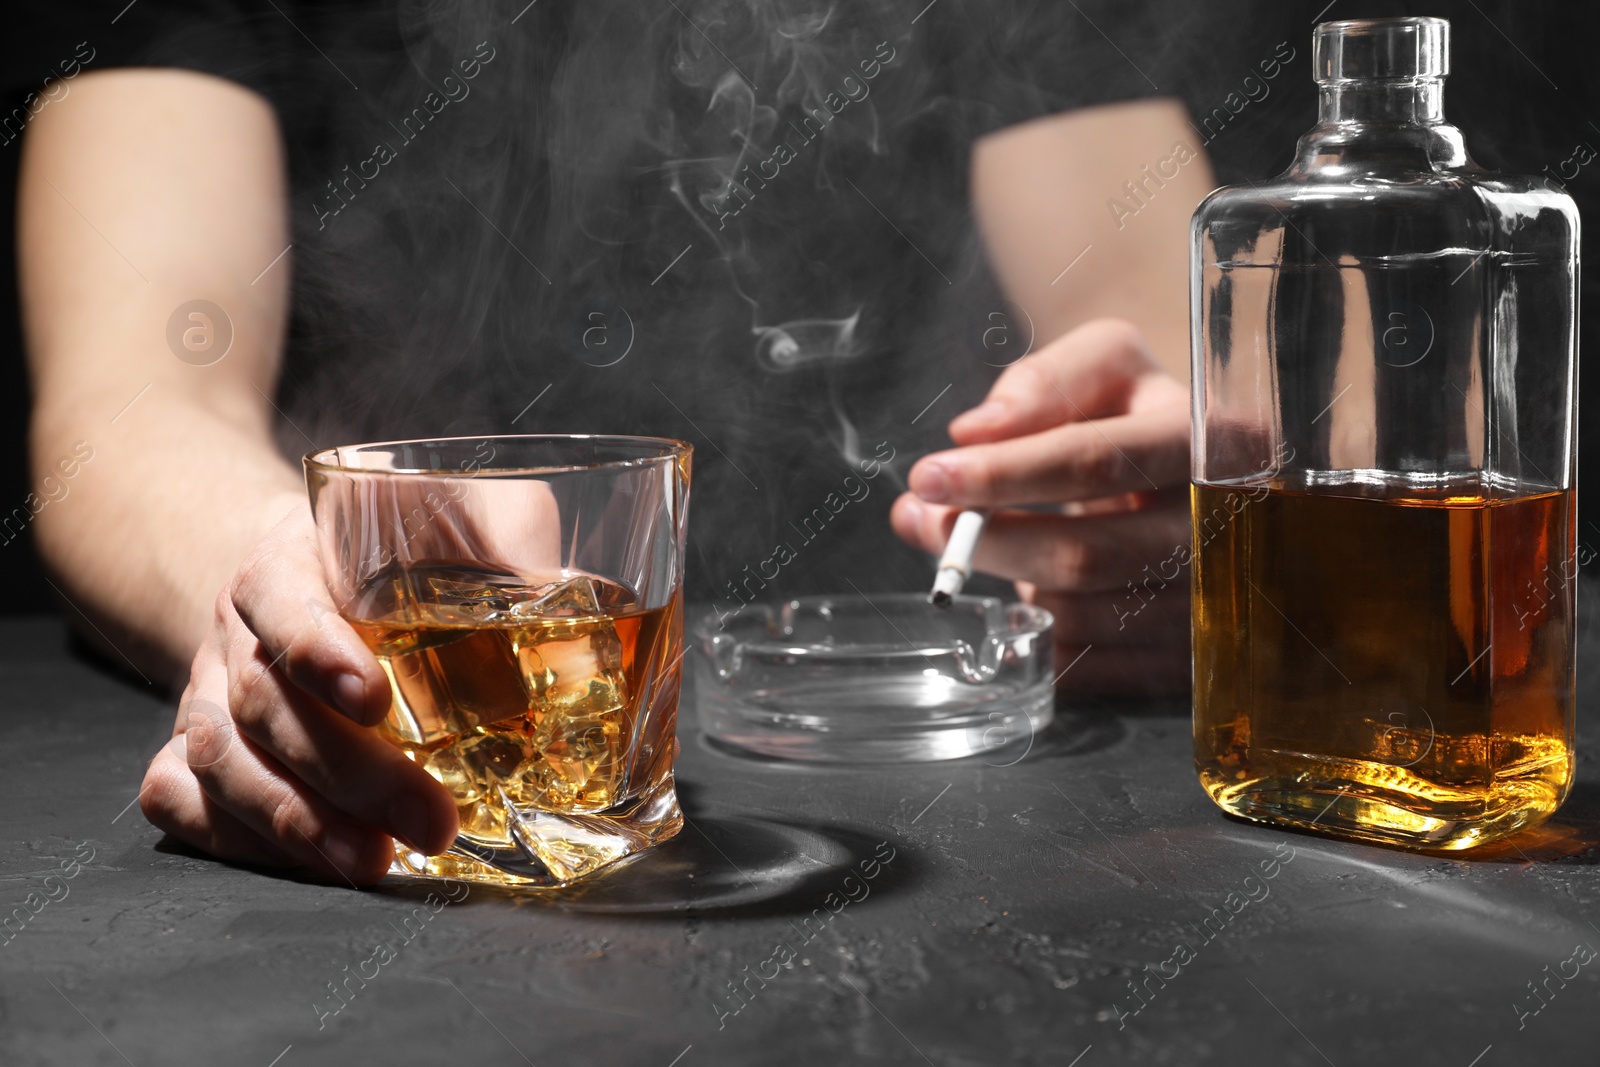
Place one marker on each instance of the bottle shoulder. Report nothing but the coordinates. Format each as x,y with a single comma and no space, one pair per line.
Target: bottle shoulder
1445,189
1407,213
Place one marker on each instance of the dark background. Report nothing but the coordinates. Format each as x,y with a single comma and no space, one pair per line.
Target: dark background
1525,92
22,588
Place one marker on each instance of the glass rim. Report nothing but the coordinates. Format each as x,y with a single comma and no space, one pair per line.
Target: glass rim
664,448
1379,22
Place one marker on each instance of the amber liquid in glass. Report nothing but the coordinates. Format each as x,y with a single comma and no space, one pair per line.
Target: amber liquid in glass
1395,668
532,700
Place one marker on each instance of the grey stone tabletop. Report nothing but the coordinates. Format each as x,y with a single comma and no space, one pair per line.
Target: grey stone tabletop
1083,907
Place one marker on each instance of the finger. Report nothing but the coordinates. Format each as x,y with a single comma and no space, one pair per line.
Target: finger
250,785
1121,670
351,767
171,798
1078,461
1088,373
282,598
1083,553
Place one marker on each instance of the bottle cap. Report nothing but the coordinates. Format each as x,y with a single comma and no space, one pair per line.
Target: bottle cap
1409,49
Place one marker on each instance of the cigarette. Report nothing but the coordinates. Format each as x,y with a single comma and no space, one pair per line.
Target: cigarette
955,566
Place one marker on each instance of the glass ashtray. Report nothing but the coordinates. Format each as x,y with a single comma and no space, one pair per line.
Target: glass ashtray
885,678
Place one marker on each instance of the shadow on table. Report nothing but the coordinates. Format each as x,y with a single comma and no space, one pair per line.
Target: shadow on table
744,865
724,864
747,866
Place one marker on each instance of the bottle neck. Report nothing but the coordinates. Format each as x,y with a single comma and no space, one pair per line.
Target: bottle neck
1419,103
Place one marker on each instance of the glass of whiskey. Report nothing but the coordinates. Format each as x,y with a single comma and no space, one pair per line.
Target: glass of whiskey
525,597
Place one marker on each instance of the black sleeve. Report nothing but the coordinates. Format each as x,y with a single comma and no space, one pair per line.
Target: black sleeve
297,55
1011,61
211,36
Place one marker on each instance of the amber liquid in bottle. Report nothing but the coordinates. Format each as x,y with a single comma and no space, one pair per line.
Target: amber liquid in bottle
1391,665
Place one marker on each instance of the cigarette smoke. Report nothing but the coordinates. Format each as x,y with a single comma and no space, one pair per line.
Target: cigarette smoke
526,237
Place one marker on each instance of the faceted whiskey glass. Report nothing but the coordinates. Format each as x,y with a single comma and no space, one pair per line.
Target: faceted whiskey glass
1384,447
524,595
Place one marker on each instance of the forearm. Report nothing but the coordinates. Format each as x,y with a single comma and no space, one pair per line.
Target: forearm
1085,215
151,527
121,225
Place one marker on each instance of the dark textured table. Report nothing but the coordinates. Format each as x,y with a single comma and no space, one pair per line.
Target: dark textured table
946,914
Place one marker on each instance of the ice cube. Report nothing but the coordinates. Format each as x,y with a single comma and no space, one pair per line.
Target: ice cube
580,673
551,760
577,708
467,595
532,679
450,768
582,756
498,753
575,596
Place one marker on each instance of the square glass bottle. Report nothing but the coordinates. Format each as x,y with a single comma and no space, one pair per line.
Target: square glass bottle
1384,448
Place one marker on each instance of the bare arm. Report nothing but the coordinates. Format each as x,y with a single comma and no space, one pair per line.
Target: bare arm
1049,191
139,192
186,538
